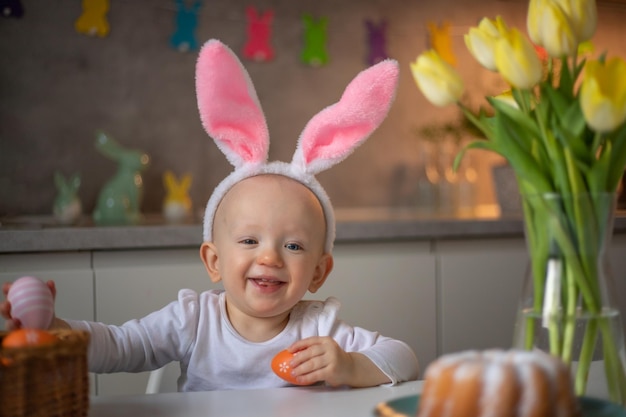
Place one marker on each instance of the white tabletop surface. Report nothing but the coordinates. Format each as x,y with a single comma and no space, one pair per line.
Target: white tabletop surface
316,401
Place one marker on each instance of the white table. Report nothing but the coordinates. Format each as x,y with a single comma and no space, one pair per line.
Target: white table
316,401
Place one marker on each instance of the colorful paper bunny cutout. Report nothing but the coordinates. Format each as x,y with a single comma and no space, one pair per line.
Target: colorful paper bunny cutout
67,207
259,31
441,41
11,8
184,37
177,203
377,42
93,21
231,114
314,52
120,198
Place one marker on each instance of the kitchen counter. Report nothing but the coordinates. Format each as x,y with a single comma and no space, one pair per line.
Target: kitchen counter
42,234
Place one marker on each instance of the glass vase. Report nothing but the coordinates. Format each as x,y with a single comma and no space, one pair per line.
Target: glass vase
568,305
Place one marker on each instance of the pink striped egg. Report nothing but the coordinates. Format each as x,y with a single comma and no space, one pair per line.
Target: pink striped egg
31,302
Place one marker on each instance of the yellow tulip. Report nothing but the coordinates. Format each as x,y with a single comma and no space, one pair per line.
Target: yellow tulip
507,98
517,61
603,94
534,20
583,17
550,26
481,40
440,83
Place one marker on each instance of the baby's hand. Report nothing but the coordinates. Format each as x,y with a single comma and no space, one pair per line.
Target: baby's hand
12,323
321,359
5,310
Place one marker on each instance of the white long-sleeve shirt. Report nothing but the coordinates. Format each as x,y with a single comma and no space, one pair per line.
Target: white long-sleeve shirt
195,331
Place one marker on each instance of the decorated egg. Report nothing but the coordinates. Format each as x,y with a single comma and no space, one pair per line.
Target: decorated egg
31,302
282,368
28,337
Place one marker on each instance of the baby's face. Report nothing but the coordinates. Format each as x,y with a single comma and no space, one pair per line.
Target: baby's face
269,234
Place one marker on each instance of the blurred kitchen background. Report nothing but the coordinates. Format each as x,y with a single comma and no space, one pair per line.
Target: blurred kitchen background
59,87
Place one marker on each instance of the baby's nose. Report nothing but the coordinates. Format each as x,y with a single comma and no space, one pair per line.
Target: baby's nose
270,255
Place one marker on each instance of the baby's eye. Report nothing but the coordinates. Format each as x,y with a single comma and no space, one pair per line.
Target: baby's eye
248,241
293,246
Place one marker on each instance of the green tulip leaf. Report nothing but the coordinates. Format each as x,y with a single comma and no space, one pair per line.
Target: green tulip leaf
569,132
483,122
519,157
618,158
557,100
597,176
567,81
478,144
517,116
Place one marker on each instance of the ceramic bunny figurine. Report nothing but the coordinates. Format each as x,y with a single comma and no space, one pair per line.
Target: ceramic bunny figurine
177,203
120,198
67,207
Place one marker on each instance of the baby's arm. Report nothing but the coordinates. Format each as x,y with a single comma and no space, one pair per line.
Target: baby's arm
125,348
144,344
343,354
137,345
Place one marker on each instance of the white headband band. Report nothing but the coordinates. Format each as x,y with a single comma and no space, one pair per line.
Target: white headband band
231,114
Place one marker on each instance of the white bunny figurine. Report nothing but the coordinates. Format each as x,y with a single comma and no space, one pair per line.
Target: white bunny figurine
67,207
120,198
232,116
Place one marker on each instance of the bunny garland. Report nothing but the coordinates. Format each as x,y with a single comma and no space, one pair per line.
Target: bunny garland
231,114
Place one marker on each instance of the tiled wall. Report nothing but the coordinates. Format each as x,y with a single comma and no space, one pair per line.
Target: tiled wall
57,87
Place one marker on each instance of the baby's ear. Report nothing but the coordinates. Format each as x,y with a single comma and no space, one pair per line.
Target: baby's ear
322,270
208,254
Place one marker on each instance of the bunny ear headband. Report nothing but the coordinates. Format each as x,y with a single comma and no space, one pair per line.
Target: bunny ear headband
231,114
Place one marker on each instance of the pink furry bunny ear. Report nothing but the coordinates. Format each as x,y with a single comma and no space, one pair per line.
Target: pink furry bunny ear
229,107
332,134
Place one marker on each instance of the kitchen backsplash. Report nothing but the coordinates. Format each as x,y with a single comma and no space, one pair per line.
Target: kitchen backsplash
59,87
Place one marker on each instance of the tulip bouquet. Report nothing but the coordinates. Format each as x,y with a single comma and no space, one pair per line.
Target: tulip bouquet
562,129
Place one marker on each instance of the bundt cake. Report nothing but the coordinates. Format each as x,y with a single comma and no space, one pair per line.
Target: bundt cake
498,383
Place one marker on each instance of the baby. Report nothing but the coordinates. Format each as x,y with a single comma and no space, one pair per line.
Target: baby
268,234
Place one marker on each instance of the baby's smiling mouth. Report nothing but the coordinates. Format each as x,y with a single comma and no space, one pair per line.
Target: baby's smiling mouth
266,282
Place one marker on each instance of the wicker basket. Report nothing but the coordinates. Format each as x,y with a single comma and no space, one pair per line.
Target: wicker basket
49,381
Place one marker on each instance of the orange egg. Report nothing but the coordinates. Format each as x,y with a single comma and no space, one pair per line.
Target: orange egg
28,337
282,368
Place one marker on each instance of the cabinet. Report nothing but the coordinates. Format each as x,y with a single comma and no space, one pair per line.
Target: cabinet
390,288
479,286
439,296
480,282
131,284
